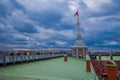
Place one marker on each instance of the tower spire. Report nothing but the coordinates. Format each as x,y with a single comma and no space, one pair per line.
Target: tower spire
79,48
78,25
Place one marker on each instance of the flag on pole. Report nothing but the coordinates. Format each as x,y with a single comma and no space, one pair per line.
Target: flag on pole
76,13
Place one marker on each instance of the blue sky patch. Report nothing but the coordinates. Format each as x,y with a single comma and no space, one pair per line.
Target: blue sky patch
42,24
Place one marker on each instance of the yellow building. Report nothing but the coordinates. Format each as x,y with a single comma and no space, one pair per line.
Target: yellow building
79,49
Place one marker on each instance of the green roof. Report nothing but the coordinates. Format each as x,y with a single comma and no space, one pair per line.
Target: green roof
108,58
87,57
112,63
52,69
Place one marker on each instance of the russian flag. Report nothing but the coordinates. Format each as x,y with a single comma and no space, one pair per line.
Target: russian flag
76,13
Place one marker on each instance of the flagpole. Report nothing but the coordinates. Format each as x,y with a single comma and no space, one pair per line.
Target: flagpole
78,25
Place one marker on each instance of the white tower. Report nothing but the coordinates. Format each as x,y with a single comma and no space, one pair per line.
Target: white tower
79,49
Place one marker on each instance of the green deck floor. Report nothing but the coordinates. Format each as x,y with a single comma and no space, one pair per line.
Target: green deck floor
51,69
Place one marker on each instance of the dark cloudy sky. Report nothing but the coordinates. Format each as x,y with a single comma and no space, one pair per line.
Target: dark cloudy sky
39,24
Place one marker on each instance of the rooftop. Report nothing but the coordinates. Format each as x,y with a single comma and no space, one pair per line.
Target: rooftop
52,69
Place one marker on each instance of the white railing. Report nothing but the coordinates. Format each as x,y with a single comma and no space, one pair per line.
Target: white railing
10,59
